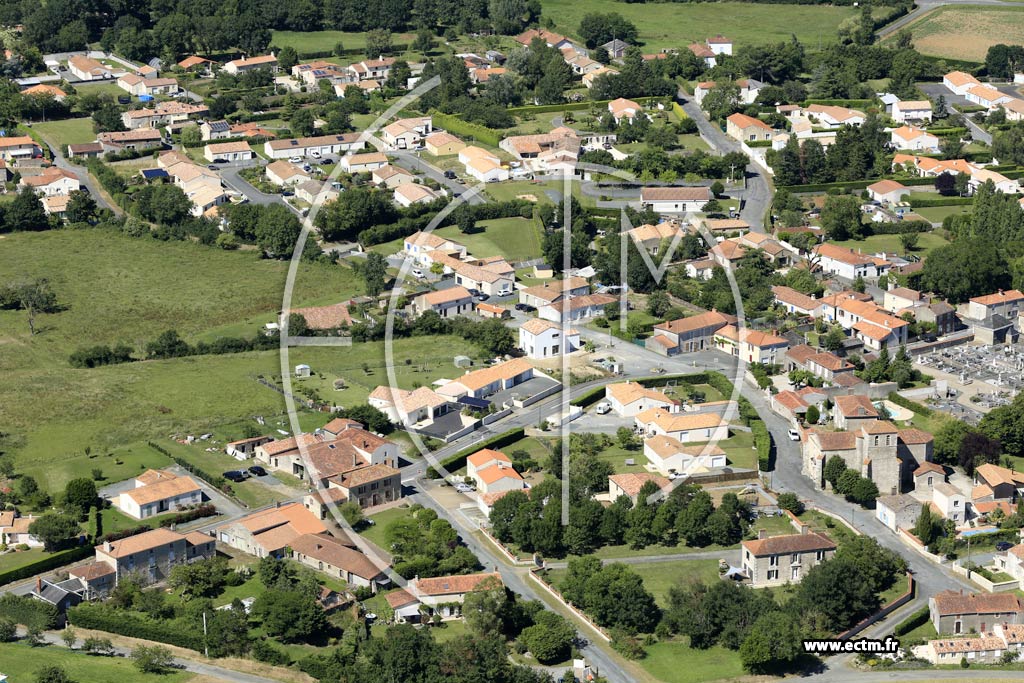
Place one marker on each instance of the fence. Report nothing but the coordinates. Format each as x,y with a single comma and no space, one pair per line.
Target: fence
506,553
553,592
990,586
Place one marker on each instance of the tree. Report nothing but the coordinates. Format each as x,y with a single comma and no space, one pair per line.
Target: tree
926,528
812,415
81,494
483,606
35,297
550,639
54,530
374,273
834,469
773,644
789,501
945,184
8,630
658,303
841,217
378,43
424,41
368,416
289,615
351,512
287,57
152,659
25,213
712,206
81,207
597,29
202,579
52,674
70,637
301,122
98,646
277,230
692,521
971,267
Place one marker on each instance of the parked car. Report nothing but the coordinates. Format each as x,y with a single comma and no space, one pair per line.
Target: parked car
482,297
416,272
315,154
211,167
235,476
473,292
794,435
607,145
450,175
603,408
295,160
1003,546
257,471
463,488
325,162
526,308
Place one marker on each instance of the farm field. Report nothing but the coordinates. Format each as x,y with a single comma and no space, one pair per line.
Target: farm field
66,132
678,24
966,32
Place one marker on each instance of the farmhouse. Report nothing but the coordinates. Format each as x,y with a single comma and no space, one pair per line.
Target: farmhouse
778,560
328,554
267,533
157,492
956,612
151,555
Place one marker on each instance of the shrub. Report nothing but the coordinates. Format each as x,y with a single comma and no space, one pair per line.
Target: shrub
790,502
104,618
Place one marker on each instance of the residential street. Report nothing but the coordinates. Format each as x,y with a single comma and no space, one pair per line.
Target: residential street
413,161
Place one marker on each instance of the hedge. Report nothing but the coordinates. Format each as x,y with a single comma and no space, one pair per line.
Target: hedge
759,143
573,106
851,104
46,563
945,201
918,618
854,184
26,610
589,398
900,227
763,444
947,132
924,411
396,48
458,461
677,109
103,618
456,126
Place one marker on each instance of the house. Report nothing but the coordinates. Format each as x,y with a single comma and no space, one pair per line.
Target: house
14,530
700,51
486,170
954,612
486,381
916,139
720,45
960,82
979,176
847,263
888,191
443,595
158,491
829,116
794,302
44,90
951,504
576,308
215,130
1004,484
490,278
243,449
420,244
1012,561
982,649
616,48
252,129
629,485
283,173
550,292
327,554
447,303
309,190
912,111
628,399
151,555
320,144
192,177
650,237
753,346
85,150
1005,303
748,87
409,407
391,176
138,140
268,532
682,427
853,411
372,69
408,194
987,97
747,129
360,163
483,75
1014,109
88,69
728,253
51,182
700,269
669,456
685,335
228,151
497,477
580,64
163,114
19,147
928,475
240,66
551,39
622,108
675,199
195,63
540,339
898,511
96,579
441,143
407,133
899,298
591,77
780,560
137,85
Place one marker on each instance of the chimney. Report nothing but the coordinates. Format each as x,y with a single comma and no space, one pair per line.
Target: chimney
107,547
804,529
762,534
39,584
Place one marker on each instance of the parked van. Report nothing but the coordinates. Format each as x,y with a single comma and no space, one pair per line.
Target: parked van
603,408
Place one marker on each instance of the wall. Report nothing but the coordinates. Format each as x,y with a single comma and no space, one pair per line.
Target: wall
991,587
553,592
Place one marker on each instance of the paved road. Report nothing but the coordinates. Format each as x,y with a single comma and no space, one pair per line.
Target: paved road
924,6
233,179
413,161
82,173
758,195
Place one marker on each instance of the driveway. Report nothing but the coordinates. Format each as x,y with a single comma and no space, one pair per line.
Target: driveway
412,160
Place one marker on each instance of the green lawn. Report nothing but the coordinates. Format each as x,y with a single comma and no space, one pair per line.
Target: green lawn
324,41
20,662
676,25
517,239
66,132
659,577
17,559
674,661
739,450
936,214
381,520
927,241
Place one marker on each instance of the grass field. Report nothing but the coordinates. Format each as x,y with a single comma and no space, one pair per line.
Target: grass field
21,662
936,214
377,533
966,32
678,24
324,41
517,239
674,661
66,132
891,243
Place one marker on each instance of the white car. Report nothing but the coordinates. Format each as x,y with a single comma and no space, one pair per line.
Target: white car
794,435
295,160
603,408
416,272
315,154
463,488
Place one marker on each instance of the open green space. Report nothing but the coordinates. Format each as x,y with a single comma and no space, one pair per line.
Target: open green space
324,41
376,532
659,577
966,31
927,241
517,239
21,662
936,214
674,661
67,132
16,559
675,25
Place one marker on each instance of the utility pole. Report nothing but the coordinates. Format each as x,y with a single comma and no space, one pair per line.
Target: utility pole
206,643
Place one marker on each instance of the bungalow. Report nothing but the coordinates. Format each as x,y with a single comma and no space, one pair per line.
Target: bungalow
912,111
156,492
310,190
19,147
14,530
540,339
668,456
628,399
414,193
407,133
780,560
1014,109
151,555
283,173
486,74
576,308
137,85
44,90
269,532
749,89
622,108
391,176
195,63
138,140
321,144
486,170
497,477
747,129
888,191
206,198
360,163
979,176
441,143
580,64
682,427
629,484
550,292
675,199
551,39
486,381
591,77
85,150
916,139
829,116
56,205
191,177
51,182
228,151
987,97
240,66
490,278
700,269
685,335
954,612
898,511
959,82
752,346
409,407
88,69
332,556
447,303
847,263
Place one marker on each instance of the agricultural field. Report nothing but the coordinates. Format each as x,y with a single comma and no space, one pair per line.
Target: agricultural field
966,32
674,25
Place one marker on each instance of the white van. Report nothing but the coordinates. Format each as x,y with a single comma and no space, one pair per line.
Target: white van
603,408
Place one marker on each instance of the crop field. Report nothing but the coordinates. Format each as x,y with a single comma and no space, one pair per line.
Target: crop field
966,32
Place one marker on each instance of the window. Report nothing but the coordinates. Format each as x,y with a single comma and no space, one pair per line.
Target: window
773,574
795,574
876,439
820,555
794,558
773,561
